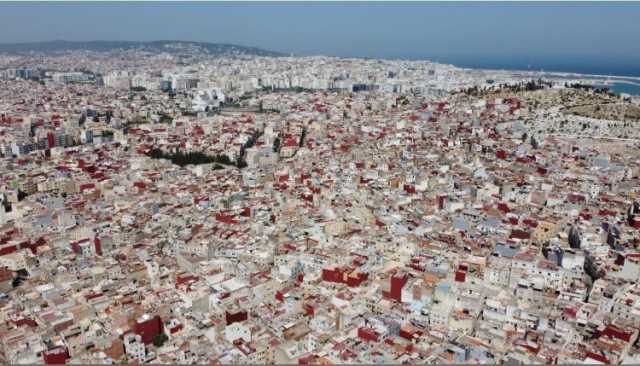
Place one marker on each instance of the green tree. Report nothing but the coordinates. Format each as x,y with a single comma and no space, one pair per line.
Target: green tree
22,195
534,143
194,158
276,144
302,136
160,339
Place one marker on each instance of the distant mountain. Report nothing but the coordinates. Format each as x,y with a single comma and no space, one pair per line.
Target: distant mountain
176,47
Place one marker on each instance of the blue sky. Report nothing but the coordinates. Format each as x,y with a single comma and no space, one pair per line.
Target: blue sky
524,33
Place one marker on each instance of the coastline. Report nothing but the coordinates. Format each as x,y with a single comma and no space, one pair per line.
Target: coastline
622,78
618,84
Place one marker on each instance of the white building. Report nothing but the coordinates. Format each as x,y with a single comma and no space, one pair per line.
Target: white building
237,331
134,347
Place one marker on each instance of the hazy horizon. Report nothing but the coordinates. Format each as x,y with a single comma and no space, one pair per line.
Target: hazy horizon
579,37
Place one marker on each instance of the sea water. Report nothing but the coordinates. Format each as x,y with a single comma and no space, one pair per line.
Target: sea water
618,88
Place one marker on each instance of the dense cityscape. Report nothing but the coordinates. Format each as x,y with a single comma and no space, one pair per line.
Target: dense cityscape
186,204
